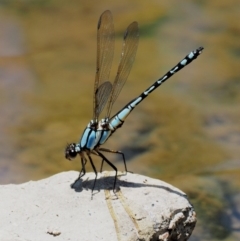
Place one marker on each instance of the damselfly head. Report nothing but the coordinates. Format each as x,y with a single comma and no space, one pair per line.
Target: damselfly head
71,151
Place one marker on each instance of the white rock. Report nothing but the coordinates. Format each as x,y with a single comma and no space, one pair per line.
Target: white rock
49,209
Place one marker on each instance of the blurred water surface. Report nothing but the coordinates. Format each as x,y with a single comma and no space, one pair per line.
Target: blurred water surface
186,133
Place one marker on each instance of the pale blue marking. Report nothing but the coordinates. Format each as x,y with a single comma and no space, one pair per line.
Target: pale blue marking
124,113
161,80
183,62
91,140
147,91
115,122
83,140
104,137
135,102
77,148
173,71
191,55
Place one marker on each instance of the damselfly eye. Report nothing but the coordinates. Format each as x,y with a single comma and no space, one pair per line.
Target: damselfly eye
70,151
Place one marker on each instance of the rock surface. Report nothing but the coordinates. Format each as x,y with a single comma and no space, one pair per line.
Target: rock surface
49,209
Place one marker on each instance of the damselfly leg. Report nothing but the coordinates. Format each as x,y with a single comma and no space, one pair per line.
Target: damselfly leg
82,172
113,167
95,171
115,152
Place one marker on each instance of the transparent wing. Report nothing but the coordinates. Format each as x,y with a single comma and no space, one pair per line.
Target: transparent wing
105,51
129,49
102,94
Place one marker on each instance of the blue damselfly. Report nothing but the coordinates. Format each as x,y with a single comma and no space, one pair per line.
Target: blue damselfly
105,93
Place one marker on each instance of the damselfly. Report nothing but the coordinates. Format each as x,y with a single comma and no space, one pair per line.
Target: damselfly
105,93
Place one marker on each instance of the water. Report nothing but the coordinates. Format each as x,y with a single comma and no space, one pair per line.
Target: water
190,138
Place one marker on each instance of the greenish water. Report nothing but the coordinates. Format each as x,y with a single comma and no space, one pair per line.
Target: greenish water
186,133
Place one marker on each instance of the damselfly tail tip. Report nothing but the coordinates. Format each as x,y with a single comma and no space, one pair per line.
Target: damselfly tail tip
200,49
